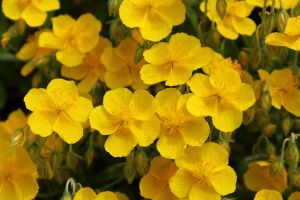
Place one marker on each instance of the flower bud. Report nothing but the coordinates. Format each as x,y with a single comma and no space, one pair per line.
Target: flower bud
292,155
286,125
117,31
89,156
113,7
282,18
221,8
142,162
276,166
294,178
249,116
269,129
17,138
130,168
15,30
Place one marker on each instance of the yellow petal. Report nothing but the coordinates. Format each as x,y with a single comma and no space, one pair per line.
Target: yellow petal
76,73
241,97
194,133
70,56
121,196
151,186
80,110
166,101
41,123
182,183
292,27
9,190
120,143
106,196
179,75
21,157
69,130
281,39
227,118
131,14
202,106
88,82
111,60
220,80
268,194
103,122
28,185
145,131
155,27
292,102
170,144
263,75
87,30
157,54
142,105
38,100
244,26
200,85
294,196
116,101
62,25
203,191
62,92
49,40
226,29
119,78
27,51
213,154
47,5
241,9
173,13
151,74
224,181
85,193
33,16
12,9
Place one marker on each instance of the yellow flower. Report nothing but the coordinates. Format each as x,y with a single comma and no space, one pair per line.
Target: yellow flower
268,195
203,173
235,21
283,88
128,118
33,12
16,120
121,69
289,38
58,108
222,96
175,61
178,127
90,70
33,53
155,184
258,177
286,4
18,174
154,18
73,39
89,194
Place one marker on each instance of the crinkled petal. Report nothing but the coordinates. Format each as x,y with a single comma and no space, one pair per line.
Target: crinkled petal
157,54
200,85
182,183
39,100
80,110
116,101
202,191
173,13
68,129
47,5
151,186
131,14
41,123
12,9
166,101
244,26
103,122
152,74
170,144
292,103
142,105
120,143
70,56
33,16
62,25
226,29
179,75
49,40
202,106
194,133
224,181
227,118
213,153
28,185
87,30
119,78
293,26
281,39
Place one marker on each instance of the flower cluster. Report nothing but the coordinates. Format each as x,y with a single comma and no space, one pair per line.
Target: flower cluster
184,100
